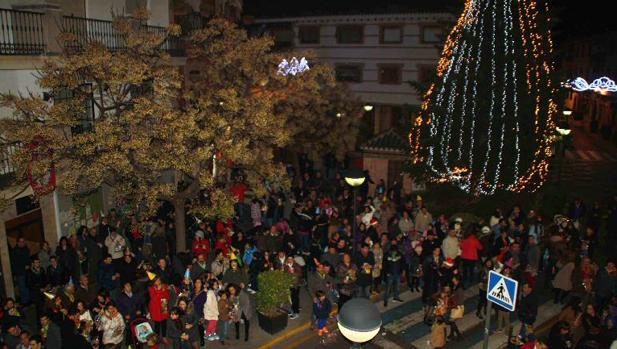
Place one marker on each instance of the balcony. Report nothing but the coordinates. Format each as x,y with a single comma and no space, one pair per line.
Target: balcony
21,33
28,33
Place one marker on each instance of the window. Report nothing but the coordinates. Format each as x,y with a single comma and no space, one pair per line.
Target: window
350,34
431,34
390,74
283,37
86,123
308,34
391,35
348,72
426,73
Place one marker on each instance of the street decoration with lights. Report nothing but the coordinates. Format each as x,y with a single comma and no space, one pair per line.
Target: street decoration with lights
293,66
485,124
603,84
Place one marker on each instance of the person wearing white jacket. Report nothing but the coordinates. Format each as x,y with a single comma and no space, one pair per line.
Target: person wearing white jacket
112,326
451,246
211,311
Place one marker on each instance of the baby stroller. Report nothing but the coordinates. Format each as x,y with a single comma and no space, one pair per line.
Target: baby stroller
140,331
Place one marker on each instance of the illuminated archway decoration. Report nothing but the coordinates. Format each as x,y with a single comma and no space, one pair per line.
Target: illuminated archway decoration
487,122
603,84
293,66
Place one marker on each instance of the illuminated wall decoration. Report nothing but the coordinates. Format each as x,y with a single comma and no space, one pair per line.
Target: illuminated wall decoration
487,121
293,67
600,85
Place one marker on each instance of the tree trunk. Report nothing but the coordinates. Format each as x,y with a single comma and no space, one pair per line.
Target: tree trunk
180,225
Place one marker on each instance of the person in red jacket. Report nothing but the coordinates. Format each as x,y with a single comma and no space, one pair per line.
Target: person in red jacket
470,246
201,245
222,244
159,305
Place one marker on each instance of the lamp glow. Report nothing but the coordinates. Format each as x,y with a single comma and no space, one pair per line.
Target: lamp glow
563,131
368,107
567,112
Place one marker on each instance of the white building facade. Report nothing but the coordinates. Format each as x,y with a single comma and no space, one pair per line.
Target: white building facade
376,55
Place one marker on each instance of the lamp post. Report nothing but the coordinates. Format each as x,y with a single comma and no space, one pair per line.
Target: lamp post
355,178
359,321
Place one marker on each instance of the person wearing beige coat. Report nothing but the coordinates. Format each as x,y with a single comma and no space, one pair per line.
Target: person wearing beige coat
562,283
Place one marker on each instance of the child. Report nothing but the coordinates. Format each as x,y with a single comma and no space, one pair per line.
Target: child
321,310
211,311
223,315
438,333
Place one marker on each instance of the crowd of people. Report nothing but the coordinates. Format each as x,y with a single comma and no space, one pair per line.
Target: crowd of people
121,282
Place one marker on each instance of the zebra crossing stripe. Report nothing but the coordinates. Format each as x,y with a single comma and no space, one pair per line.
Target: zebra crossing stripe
594,154
609,157
581,154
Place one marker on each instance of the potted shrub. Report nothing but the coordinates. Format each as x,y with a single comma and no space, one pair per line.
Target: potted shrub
273,293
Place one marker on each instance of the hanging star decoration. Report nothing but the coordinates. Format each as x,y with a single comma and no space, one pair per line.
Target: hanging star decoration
293,66
603,84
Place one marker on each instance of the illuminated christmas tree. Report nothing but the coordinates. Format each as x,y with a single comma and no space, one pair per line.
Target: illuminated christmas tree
487,123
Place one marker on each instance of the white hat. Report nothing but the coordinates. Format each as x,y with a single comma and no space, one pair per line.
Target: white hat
486,229
458,220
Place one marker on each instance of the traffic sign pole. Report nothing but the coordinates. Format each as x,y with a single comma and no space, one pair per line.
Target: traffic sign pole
487,324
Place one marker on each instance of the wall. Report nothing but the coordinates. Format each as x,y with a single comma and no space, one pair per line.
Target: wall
159,12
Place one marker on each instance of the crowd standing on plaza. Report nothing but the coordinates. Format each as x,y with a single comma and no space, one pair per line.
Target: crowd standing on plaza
122,283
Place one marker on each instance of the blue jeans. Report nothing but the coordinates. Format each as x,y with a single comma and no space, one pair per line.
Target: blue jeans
224,329
393,286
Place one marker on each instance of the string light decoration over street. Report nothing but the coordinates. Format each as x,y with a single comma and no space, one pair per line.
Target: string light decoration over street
603,84
293,66
485,124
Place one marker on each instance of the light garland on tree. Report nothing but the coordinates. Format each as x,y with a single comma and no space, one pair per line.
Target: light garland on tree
485,125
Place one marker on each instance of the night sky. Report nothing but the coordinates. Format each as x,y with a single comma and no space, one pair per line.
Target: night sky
573,18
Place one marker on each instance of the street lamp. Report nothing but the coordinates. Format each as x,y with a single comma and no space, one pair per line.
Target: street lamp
359,321
563,131
567,113
368,107
355,178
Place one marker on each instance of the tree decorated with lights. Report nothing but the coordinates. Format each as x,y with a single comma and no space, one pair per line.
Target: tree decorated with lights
487,123
154,138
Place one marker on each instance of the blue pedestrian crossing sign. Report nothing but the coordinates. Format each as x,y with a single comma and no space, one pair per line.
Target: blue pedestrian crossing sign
502,290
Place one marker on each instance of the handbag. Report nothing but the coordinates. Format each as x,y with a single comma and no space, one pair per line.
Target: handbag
457,312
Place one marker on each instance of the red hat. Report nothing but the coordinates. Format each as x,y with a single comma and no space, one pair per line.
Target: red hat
449,262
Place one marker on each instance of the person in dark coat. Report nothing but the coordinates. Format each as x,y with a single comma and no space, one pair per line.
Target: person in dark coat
527,310
107,278
68,257
20,261
128,268
36,279
94,253
130,304
393,267
56,275
50,333
84,291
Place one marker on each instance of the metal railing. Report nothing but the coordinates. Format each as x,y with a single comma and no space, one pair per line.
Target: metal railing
6,153
95,30
21,33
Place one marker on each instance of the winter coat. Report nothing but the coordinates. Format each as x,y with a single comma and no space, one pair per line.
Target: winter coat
405,225
159,303
563,278
201,246
322,310
245,305
130,305
211,307
236,277
470,248
450,247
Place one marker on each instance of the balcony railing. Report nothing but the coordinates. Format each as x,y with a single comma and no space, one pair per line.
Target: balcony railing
21,33
6,153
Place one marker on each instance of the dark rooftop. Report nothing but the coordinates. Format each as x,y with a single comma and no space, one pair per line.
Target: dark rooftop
280,8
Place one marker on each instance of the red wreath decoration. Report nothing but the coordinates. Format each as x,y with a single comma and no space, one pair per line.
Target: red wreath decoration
45,184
